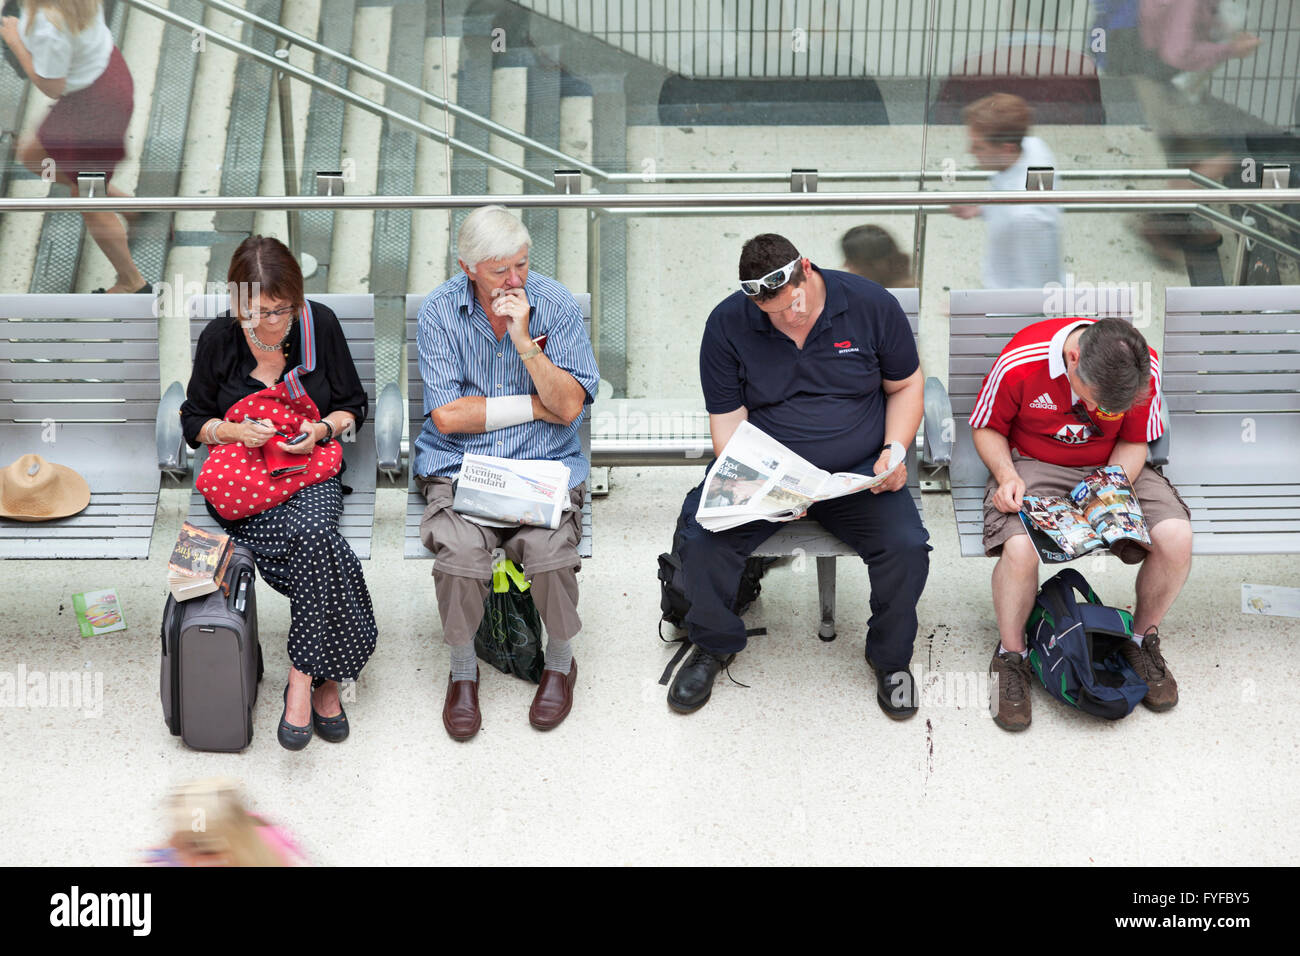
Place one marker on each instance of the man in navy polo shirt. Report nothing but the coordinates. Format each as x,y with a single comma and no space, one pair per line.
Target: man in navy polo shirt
825,363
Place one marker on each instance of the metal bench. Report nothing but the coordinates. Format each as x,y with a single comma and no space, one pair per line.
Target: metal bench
1231,379
356,315
415,503
981,322
79,386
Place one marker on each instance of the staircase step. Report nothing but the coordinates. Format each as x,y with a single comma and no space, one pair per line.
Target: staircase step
324,144
543,125
241,166
391,245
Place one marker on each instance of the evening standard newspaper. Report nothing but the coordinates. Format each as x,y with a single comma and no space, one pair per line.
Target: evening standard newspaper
758,477
504,492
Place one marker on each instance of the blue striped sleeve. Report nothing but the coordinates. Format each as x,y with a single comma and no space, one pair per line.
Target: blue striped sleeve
569,348
438,366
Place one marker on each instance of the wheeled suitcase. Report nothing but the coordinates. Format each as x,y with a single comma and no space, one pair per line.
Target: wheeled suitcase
212,661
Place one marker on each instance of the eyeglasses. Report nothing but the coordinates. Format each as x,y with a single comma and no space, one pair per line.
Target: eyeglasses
271,313
1080,413
773,280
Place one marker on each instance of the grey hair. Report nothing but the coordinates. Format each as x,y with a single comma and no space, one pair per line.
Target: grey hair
1114,362
490,232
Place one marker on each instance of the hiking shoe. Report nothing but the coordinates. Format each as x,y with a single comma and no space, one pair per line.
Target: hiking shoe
1009,695
1146,659
693,685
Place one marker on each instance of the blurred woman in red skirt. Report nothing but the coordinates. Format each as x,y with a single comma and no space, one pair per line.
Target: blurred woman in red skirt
66,49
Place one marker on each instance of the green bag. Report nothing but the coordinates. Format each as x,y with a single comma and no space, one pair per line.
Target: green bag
510,634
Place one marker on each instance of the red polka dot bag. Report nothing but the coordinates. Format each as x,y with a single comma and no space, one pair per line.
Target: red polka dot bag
236,479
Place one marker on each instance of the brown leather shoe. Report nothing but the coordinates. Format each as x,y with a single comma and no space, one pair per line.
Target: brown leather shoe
1149,662
554,698
460,713
1009,693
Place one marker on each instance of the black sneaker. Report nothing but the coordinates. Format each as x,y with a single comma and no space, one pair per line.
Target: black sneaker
895,692
693,684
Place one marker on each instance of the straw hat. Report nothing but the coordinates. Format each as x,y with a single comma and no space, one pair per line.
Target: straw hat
33,489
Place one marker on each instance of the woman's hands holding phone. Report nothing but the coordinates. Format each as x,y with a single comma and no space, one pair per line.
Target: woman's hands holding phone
304,441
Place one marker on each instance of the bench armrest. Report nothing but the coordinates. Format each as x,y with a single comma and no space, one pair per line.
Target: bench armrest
389,419
937,425
1158,450
168,435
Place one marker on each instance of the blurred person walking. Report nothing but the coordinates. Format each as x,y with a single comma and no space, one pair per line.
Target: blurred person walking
870,252
67,51
210,826
1023,246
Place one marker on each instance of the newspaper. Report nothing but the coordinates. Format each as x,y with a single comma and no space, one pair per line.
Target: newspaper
756,477
505,492
1100,512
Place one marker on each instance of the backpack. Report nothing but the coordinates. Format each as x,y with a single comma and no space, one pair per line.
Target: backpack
1074,648
674,605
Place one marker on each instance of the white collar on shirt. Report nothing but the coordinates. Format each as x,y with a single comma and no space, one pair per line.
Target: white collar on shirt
1055,353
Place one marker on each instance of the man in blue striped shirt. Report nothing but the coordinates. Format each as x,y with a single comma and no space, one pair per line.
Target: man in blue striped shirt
507,369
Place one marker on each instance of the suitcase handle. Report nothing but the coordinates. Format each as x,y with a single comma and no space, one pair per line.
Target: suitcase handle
239,593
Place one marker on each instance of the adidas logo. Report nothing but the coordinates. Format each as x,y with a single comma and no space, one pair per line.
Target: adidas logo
1044,401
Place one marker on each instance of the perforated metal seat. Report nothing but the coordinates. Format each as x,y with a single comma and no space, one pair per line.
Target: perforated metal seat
1231,365
79,386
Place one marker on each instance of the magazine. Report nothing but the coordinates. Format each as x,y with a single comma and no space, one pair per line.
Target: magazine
98,612
1100,512
505,492
756,477
198,562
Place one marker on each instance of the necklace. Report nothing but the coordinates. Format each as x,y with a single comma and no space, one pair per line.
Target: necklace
252,336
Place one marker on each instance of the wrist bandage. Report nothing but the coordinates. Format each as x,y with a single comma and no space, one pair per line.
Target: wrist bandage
508,410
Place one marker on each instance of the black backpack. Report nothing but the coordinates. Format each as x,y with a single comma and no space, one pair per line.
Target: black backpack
674,605
1075,648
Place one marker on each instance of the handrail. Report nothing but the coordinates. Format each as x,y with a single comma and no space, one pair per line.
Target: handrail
387,79
1099,200
885,176
656,201
311,79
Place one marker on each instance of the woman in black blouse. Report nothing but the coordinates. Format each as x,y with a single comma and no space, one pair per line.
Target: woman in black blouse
298,547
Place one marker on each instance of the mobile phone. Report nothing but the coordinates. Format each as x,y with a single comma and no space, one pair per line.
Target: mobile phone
301,437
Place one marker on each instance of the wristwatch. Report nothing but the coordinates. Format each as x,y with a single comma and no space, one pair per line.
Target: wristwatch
328,438
534,351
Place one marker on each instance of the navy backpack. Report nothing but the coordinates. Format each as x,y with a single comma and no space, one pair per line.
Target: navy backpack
1075,649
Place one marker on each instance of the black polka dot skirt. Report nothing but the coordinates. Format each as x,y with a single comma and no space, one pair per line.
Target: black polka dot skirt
301,553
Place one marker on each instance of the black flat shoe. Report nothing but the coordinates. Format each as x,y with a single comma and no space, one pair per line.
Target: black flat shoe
292,737
693,685
334,729
895,692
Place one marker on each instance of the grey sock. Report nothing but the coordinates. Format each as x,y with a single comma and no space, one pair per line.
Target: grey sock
464,664
559,654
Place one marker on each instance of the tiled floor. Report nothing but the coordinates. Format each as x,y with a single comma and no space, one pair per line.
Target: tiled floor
800,767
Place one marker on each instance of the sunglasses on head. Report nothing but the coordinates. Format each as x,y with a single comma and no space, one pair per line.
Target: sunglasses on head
773,280
1080,412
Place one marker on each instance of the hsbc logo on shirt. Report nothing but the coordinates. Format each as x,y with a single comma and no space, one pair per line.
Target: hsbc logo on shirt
1074,434
1045,402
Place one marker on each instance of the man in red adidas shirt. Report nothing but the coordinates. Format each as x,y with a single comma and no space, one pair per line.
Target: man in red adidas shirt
1065,396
